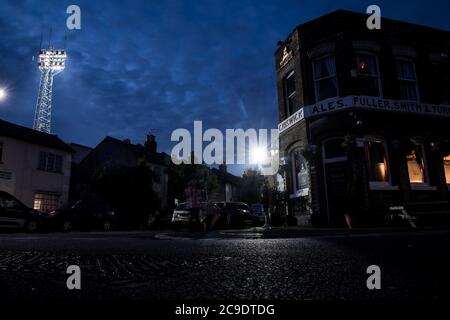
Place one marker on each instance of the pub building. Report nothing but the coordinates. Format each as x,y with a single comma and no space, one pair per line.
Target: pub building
364,120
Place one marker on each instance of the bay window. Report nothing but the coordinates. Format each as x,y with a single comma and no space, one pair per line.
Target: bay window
447,168
377,161
46,201
417,166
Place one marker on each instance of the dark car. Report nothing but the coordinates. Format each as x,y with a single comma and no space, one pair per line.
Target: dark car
83,215
15,215
238,214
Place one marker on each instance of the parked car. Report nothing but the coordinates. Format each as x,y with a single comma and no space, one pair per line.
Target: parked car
258,210
15,215
181,216
207,216
212,217
238,214
83,215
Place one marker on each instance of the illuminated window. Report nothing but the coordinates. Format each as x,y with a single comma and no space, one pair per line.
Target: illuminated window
406,76
46,201
416,165
290,94
325,78
377,161
368,76
300,174
447,168
280,182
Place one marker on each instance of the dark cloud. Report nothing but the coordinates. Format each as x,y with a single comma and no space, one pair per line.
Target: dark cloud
142,65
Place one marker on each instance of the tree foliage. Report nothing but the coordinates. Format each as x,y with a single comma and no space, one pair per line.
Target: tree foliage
129,191
251,187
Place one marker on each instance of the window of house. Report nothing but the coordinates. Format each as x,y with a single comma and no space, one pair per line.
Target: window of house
447,168
46,202
50,162
406,75
325,80
377,161
416,165
368,74
290,93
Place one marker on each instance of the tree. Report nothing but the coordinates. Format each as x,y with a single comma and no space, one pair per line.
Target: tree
251,187
129,191
180,176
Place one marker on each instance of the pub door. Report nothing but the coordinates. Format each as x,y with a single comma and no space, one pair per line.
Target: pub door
335,174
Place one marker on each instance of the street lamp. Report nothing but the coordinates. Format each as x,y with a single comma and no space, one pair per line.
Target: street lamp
3,94
258,155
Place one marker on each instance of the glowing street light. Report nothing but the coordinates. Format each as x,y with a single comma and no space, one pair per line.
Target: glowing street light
2,94
258,155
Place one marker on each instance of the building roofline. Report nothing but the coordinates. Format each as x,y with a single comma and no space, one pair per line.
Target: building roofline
23,133
340,12
80,145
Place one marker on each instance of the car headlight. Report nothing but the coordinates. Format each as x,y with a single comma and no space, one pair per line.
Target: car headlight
51,214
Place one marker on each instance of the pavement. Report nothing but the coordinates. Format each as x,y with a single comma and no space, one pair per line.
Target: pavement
259,263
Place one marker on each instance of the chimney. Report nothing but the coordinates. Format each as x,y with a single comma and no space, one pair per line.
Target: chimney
151,144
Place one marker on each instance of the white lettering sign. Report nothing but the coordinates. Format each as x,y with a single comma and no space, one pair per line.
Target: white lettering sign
363,102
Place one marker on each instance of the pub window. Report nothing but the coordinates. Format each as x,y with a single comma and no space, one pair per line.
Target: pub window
447,168
406,75
333,151
325,80
377,161
280,182
46,202
416,165
50,162
300,171
368,74
290,93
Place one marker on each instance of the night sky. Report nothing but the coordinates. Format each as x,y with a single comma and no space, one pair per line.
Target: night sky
137,66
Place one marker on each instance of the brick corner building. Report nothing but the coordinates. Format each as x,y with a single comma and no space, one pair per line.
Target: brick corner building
364,119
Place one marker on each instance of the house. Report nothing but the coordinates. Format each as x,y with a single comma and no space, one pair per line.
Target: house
80,152
34,166
114,152
364,118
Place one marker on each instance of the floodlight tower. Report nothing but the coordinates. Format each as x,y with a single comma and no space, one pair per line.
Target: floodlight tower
51,62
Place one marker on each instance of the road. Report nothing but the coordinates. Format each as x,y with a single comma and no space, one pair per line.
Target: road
156,265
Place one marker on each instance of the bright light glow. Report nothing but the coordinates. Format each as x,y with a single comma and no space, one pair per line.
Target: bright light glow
2,94
258,155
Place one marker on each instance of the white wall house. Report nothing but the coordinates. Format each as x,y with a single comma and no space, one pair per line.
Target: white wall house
34,166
